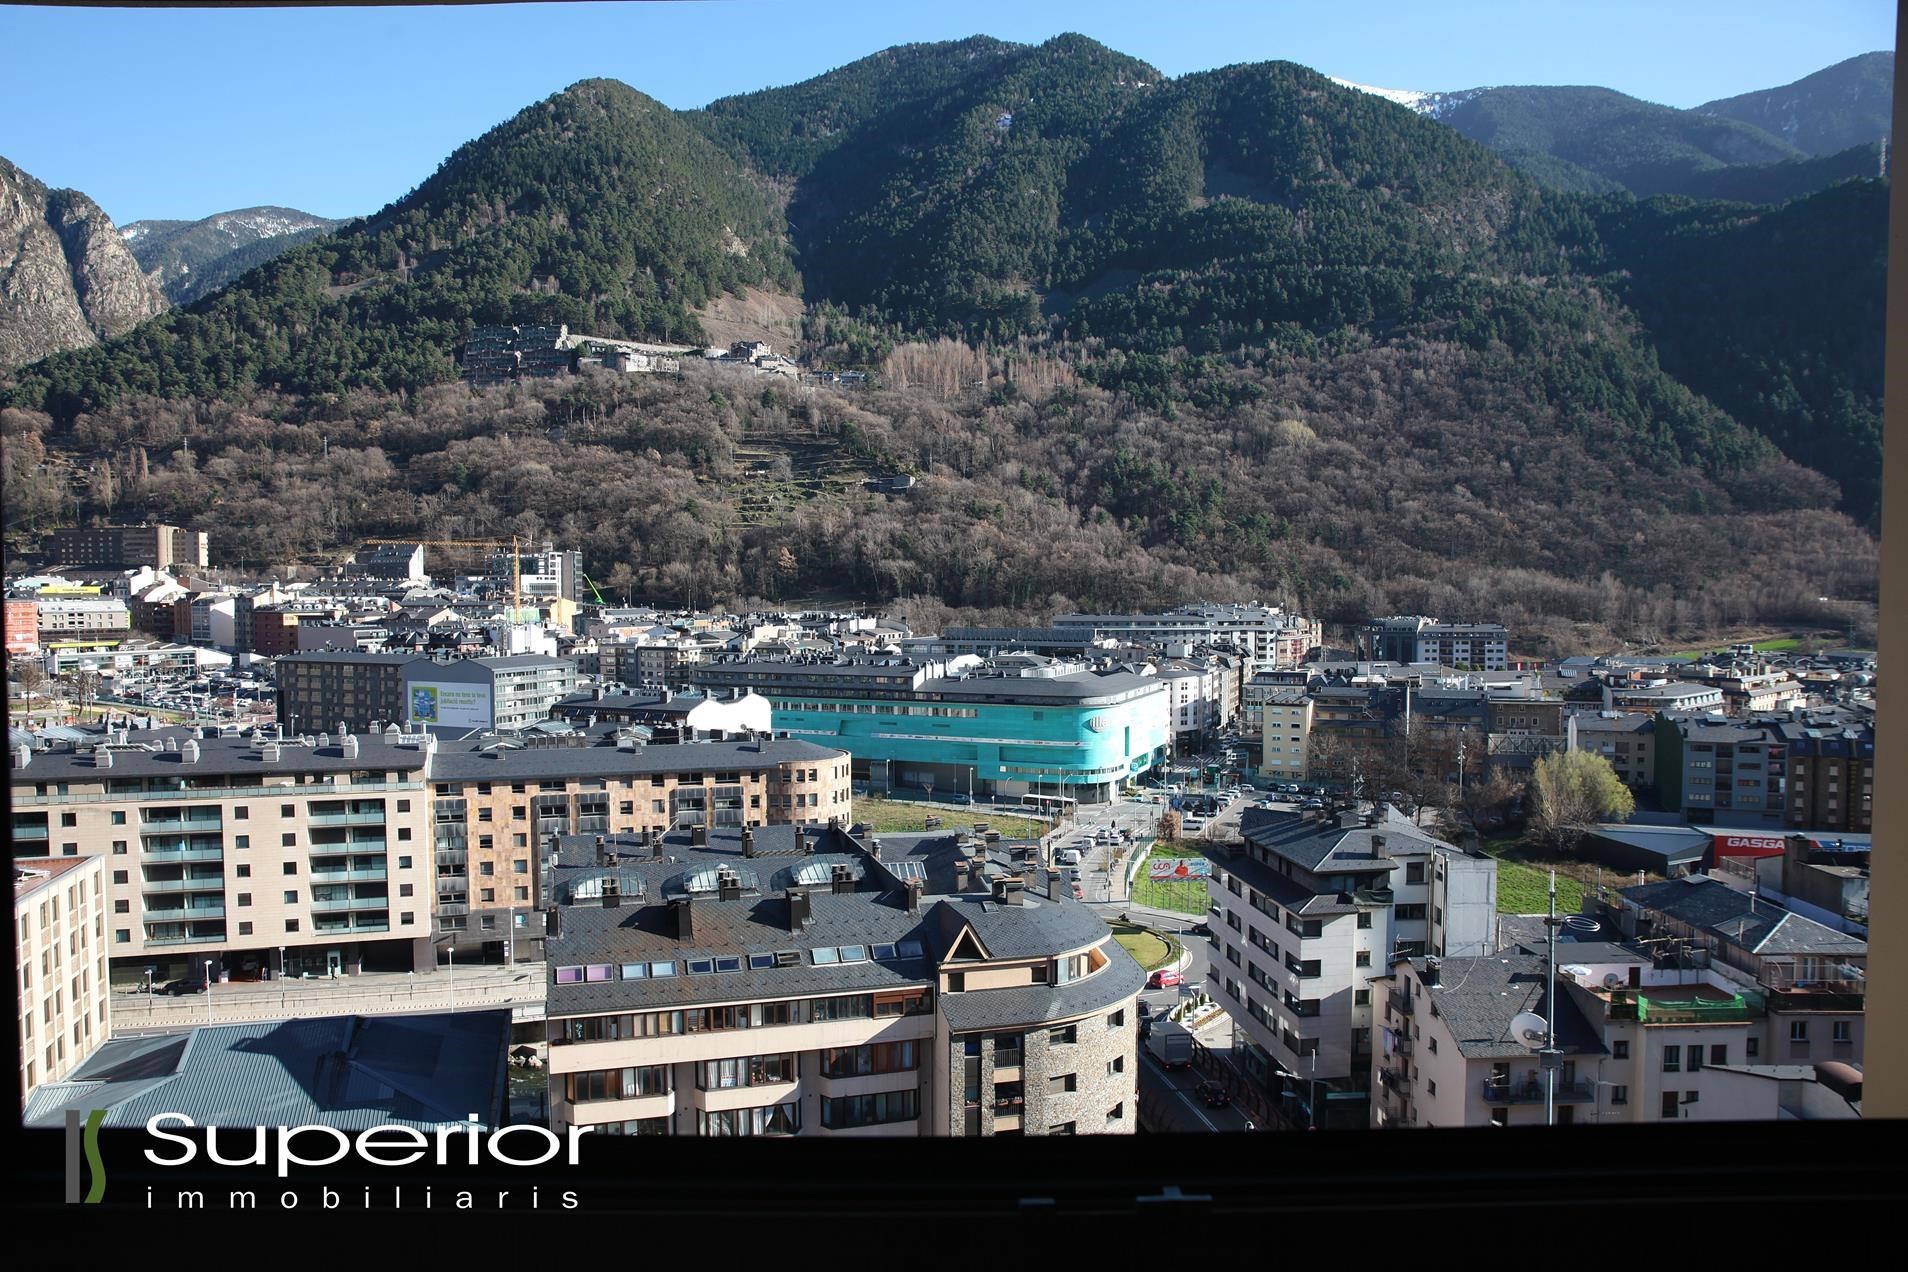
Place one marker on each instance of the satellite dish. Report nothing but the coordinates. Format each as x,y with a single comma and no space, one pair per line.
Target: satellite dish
1612,981
1575,972
1528,1028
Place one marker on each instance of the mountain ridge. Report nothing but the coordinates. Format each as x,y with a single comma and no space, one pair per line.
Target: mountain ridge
189,259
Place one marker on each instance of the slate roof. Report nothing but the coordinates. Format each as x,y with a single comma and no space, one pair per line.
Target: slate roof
1741,919
239,756
1326,848
350,1072
466,760
1037,1004
644,929
1477,998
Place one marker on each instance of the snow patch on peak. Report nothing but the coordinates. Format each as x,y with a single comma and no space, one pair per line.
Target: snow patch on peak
1408,97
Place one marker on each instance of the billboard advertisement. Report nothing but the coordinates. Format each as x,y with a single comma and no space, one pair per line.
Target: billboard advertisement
456,706
1748,845
1170,869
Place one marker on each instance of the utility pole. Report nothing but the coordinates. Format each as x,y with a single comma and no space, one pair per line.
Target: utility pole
1550,1011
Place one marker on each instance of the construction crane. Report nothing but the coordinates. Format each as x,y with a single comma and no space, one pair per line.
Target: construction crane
495,545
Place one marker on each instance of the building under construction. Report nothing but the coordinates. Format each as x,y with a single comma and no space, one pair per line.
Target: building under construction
506,355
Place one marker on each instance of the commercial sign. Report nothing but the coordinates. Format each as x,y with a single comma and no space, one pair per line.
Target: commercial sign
1168,869
457,706
1749,845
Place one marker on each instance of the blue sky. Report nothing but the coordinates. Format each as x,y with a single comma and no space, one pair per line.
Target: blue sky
338,111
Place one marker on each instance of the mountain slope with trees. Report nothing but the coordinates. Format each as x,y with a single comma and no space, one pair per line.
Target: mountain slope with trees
1849,104
1245,332
190,259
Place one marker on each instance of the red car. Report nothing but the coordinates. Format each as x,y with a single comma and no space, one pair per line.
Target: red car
1164,979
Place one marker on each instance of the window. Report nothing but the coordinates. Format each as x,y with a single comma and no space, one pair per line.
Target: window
1619,1095
291,925
1672,1059
245,929
1695,1060
1116,1065
874,1058
1362,958
1840,1031
404,863
1062,1128
487,868
121,936
1719,1053
287,810
1432,1043
1430,1086
1753,1047
1620,1049
520,866
120,876
245,898
119,847
1798,1031
1361,998
288,839
870,1110
1116,1021
119,818
1065,1035
122,907
1670,1103
1115,1113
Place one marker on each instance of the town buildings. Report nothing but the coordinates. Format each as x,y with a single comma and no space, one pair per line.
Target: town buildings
268,856
1265,634
159,546
1314,907
61,990
350,689
783,981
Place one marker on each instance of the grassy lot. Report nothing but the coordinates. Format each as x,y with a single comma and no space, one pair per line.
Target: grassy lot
898,817
1526,890
1181,898
1781,645
1148,949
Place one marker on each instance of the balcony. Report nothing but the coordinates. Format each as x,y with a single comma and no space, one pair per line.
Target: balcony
1398,1003
1010,1098
335,904
183,913
346,819
1527,1091
1682,1005
367,873
181,825
210,792
1400,1045
155,937
1005,1059
182,853
195,883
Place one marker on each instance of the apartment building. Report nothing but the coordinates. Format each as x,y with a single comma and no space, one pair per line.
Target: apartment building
1309,912
81,615
22,626
1721,772
60,984
1264,633
493,804
784,981
1447,1056
689,717
247,853
1286,720
1831,774
1811,979
349,689
1417,639
1626,739
159,546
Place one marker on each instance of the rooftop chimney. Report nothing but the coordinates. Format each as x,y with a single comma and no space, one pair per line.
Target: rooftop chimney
102,759
1431,969
1007,891
699,836
798,909
841,879
22,756
728,885
1379,848
748,841
913,888
189,753
803,844
685,918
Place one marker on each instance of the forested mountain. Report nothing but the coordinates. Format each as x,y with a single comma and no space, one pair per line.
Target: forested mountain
66,278
1849,104
599,208
1598,141
190,259
1241,332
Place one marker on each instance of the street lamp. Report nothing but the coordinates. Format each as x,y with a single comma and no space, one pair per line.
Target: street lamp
208,991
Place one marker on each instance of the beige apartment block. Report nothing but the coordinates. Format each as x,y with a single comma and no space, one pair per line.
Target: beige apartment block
60,984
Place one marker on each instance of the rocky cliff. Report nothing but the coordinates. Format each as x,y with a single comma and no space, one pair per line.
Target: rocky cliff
67,278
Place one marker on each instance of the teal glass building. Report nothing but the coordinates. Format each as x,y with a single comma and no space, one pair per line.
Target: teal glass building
912,726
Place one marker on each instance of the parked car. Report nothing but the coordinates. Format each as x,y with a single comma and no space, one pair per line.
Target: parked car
1164,978
1202,929
1213,1094
194,984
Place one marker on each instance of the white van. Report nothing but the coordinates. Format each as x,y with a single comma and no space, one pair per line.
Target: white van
1071,857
